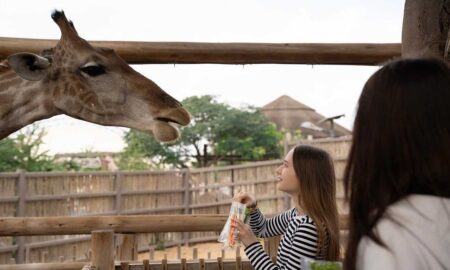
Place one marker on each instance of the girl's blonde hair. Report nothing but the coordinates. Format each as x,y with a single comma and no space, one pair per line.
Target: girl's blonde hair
317,197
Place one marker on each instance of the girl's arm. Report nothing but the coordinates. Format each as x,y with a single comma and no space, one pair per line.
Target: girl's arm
268,227
304,241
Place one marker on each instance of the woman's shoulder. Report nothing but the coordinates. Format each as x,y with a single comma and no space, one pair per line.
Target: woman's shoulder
412,229
304,221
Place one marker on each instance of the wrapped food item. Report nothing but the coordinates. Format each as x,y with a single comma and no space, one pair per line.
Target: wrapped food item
228,234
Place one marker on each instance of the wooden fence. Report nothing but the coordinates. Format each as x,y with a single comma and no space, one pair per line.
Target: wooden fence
195,191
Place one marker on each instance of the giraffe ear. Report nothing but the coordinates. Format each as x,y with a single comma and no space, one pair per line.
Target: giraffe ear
29,66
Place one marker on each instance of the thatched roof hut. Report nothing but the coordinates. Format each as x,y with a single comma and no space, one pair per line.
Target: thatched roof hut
288,114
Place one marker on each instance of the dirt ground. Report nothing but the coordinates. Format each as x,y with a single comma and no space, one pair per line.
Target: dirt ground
210,250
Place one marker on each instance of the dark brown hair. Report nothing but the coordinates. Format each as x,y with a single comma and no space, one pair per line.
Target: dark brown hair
401,143
315,172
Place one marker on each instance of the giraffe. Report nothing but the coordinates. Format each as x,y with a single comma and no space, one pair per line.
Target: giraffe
85,82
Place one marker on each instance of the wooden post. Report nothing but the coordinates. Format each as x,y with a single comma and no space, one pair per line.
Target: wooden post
146,264
44,256
118,188
126,244
102,244
164,264
201,264
74,253
232,182
179,252
286,202
124,266
151,253
271,246
183,265
187,201
238,263
27,254
20,240
219,263
425,28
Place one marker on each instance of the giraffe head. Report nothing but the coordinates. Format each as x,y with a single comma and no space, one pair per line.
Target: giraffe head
96,85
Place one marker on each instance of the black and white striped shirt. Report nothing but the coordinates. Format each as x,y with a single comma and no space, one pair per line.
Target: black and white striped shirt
299,240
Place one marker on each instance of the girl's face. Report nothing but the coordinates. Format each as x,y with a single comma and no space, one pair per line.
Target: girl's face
287,180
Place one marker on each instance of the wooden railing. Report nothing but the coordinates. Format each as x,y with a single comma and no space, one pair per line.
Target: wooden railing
106,252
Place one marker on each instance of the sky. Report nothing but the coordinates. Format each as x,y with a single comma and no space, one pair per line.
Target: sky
329,89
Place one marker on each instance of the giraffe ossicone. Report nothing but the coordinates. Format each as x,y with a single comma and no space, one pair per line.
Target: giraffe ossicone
85,82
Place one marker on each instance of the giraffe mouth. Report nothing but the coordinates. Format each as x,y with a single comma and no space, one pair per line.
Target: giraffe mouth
168,120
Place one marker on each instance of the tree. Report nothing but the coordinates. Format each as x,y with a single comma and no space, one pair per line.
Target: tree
217,133
23,153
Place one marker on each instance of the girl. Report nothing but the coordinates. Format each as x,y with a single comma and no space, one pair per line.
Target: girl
398,172
311,228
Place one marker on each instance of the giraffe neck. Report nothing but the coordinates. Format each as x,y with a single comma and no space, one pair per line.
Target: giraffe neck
22,102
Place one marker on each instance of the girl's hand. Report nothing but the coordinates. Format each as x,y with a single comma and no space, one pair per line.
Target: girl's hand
243,197
244,232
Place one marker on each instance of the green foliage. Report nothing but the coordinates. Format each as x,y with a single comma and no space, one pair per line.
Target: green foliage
9,154
23,152
217,133
325,266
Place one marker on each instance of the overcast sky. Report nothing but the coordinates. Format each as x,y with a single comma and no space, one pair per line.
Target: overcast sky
330,90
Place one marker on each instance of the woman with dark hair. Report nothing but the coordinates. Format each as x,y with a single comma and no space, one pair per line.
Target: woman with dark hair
310,229
398,173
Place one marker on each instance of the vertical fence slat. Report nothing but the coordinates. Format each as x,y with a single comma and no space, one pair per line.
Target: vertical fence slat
20,240
118,189
187,200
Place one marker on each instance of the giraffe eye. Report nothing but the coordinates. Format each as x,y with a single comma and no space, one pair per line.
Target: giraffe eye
94,71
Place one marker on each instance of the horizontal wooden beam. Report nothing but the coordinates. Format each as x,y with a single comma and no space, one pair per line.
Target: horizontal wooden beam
45,266
120,224
227,53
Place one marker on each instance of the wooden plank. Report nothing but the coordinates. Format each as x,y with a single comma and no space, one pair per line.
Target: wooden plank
21,204
225,202
120,224
149,192
232,184
227,53
152,210
218,264
45,266
242,166
125,247
118,191
9,199
4,249
58,242
71,196
186,200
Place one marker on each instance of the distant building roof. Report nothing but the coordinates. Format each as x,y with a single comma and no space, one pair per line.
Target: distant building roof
287,113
